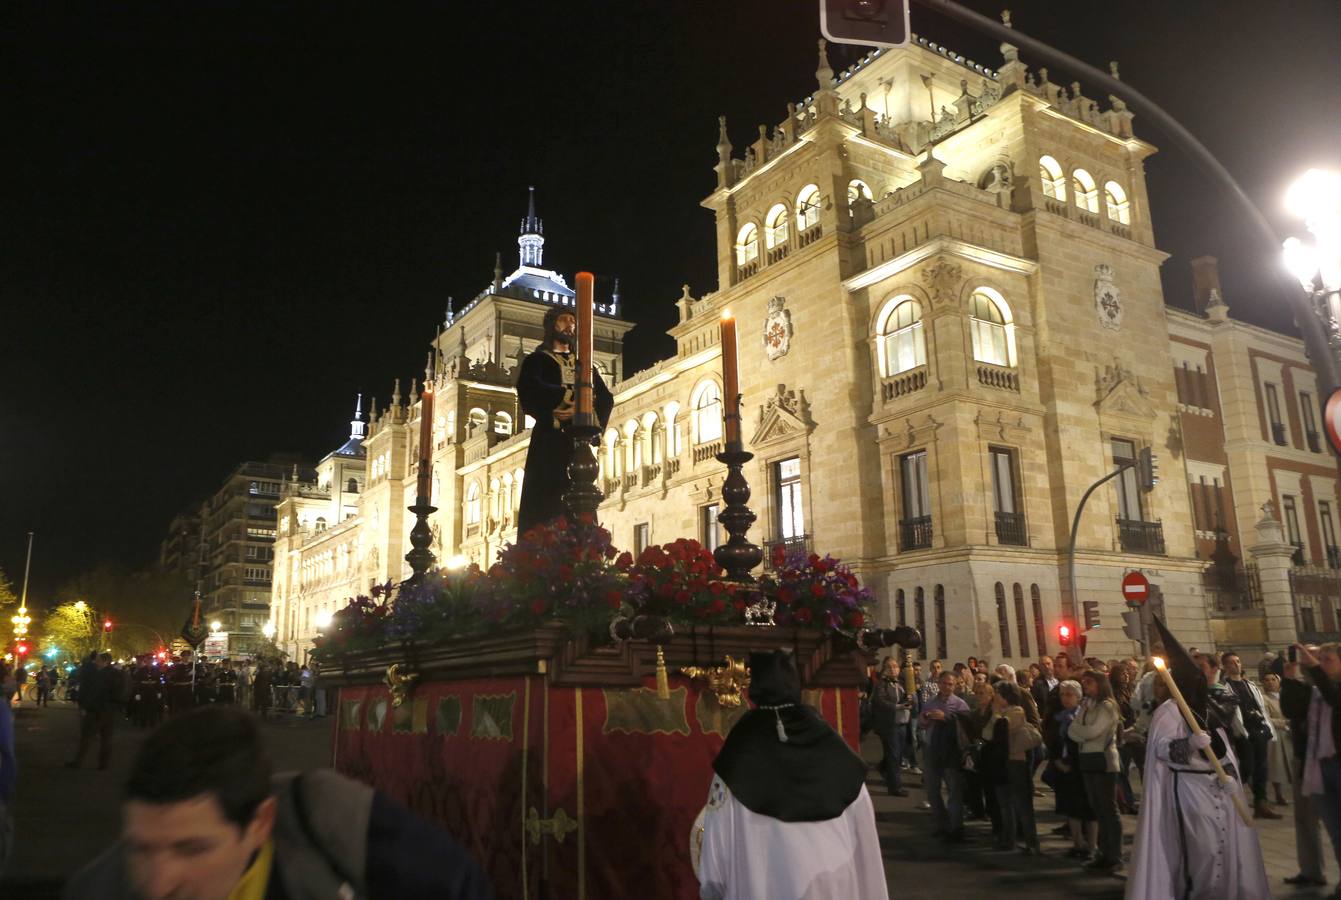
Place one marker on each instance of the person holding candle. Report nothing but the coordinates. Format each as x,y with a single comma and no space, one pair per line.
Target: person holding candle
547,389
1191,840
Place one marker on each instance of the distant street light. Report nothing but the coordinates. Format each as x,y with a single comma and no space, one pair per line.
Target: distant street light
322,620
1315,197
216,625
268,629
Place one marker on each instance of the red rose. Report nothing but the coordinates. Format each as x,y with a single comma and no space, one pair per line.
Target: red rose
779,556
739,605
614,598
803,616
717,607
716,587
565,573
624,561
856,620
817,590
539,607
787,595
683,597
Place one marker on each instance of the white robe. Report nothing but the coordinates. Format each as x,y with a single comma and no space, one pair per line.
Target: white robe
1223,854
745,856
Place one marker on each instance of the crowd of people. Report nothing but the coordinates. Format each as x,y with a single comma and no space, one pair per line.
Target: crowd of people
988,740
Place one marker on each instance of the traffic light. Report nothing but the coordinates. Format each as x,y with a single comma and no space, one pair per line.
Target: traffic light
107,625
1064,634
1131,625
1147,469
21,650
871,23
1091,614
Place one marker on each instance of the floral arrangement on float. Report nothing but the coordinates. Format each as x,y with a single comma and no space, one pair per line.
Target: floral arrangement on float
571,572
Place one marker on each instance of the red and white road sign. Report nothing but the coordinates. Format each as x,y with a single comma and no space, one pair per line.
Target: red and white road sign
1331,418
1135,588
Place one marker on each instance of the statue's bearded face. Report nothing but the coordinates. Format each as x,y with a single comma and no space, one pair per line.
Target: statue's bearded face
565,326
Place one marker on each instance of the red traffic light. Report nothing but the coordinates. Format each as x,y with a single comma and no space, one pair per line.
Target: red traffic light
21,649
162,654
1064,634
107,626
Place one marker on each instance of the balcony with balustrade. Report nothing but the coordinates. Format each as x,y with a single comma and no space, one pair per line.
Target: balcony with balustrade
1136,536
1011,530
915,533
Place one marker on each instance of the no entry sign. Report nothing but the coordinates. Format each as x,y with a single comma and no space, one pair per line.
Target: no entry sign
1331,418
1135,588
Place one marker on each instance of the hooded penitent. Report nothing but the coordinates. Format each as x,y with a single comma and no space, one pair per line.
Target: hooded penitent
782,759
1191,681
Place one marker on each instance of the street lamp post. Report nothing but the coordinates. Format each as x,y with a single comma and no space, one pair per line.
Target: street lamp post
1315,197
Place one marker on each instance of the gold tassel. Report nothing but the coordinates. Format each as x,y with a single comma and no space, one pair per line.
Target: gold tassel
663,680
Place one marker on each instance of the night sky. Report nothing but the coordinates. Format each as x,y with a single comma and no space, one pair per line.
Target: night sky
219,222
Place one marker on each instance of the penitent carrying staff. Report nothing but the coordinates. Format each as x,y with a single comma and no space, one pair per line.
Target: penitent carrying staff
546,388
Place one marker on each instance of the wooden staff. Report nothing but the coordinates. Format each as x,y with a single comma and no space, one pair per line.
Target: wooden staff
1206,751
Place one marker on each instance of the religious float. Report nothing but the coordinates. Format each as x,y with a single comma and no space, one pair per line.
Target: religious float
559,712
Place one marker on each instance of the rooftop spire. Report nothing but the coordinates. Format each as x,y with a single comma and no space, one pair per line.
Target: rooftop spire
532,241
356,424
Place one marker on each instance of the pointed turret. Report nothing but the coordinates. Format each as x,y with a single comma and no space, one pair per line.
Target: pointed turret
532,240
356,424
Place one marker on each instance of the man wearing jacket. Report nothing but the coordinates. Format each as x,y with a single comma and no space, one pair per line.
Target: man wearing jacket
204,820
891,710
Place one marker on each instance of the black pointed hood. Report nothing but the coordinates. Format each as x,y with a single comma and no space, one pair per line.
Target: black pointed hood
782,759
1186,672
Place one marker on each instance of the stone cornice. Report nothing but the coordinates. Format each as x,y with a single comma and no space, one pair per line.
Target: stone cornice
942,245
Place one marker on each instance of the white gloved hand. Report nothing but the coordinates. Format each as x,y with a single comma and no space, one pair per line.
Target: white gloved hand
1198,741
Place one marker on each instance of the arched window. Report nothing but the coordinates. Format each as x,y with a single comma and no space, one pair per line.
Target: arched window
775,226
992,329
352,487
902,345
858,189
673,442
1021,621
1003,619
633,451
321,523
707,413
611,453
1087,195
654,437
473,503
502,423
478,419
920,612
942,644
1119,210
517,475
451,426
808,207
495,499
1051,177
1040,632
436,491
900,608
747,245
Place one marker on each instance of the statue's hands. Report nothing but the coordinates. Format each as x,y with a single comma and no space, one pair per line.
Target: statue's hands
564,412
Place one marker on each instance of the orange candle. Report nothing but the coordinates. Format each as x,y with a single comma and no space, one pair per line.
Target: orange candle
730,381
585,346
425,444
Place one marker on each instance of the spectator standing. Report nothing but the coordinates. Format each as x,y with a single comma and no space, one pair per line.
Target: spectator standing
979,795
1278,755
1063,772
890,713
260,689
1009,739
1296,702
98,693
1321,764
1255,744
8,777
1095,728
1120,677
9,685
943,719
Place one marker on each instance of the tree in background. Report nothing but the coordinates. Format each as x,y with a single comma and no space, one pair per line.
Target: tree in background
73,628
145,607
7,595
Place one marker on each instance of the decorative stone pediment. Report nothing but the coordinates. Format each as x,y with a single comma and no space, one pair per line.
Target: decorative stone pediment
707,490
783,415
898,436
942,278
1122,395
1010,428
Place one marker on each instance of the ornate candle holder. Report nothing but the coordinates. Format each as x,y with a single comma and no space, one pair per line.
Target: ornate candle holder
421,559
738,556
583,497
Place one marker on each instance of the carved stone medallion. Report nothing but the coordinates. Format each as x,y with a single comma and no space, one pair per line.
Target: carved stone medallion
1107,298
777,329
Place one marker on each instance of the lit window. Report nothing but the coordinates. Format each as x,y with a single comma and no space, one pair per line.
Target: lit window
775,224
1087,194
1052,179
673,443
473,503
708,413
478,419
709,530
1119,210
808,207
633,447
747,245
902,346
791,518
990,321
653,434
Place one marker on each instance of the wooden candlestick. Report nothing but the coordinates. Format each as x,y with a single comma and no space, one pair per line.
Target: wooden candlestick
583,407
1195,728
730,383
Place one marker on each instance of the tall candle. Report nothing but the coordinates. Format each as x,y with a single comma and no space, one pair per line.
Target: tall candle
585,346
425,444
730,381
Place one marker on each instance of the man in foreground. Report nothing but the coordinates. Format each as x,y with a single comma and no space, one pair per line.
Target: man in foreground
204,820
788,815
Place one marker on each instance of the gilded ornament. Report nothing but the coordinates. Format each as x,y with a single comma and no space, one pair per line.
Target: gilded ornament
727,683
399,683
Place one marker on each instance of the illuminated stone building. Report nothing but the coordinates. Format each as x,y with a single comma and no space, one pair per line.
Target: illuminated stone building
951,324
